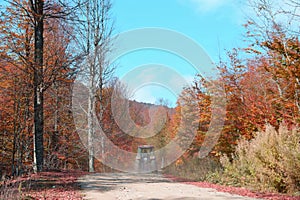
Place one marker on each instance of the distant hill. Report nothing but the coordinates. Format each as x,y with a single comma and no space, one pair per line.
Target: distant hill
141,109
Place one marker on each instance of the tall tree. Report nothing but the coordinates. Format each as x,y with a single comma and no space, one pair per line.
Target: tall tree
32,19
275,31
95,34
37,10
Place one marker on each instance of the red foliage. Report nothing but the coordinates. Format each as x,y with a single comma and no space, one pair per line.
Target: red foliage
235,190
54,185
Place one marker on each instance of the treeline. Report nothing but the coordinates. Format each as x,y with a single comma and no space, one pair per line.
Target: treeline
36,77
260,81
43,44
261,84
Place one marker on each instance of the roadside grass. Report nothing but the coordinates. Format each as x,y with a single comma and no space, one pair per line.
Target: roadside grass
194,169
199,172
268,165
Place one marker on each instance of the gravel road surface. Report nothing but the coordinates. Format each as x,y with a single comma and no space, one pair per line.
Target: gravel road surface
122,186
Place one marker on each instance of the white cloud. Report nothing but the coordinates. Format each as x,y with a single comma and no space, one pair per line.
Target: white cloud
144,95
209,5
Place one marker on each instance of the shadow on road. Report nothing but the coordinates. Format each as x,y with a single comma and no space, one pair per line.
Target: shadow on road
104,182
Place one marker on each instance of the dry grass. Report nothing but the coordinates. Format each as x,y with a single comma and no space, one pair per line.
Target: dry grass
195,169
270,162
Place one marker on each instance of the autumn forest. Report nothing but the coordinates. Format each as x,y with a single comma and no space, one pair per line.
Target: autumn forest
44,45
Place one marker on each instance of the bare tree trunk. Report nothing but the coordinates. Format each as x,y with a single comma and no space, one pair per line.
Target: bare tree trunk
95,28
38,86
96,34
55,133
91,130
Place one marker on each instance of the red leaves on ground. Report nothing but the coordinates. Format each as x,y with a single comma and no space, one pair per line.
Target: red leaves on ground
54,185
235,190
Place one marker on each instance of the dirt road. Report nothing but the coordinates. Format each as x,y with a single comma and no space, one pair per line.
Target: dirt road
122,186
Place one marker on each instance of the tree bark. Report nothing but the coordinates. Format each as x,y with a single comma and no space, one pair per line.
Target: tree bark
38,87
91,109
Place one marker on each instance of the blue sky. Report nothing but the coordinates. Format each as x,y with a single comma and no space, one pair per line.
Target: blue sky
214,24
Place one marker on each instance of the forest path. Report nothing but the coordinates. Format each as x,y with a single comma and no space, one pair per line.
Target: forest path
123,186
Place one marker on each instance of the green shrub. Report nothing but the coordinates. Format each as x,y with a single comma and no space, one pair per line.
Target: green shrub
269,162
